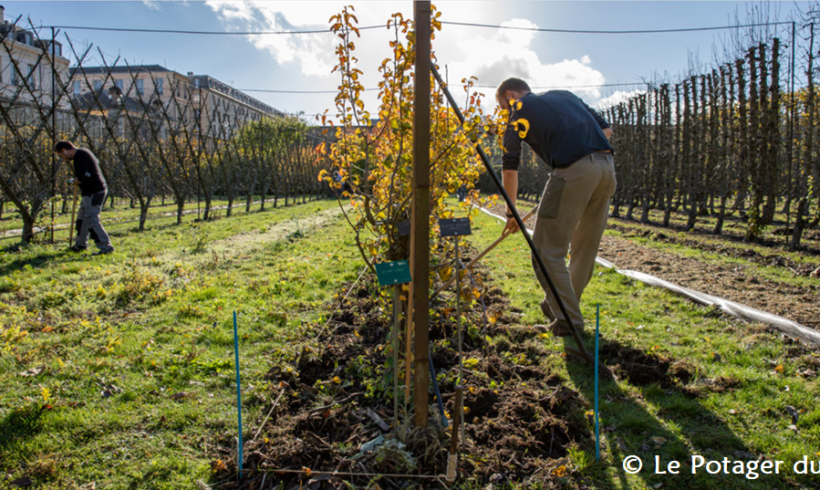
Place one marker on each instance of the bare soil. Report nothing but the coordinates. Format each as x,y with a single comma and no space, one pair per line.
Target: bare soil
518,428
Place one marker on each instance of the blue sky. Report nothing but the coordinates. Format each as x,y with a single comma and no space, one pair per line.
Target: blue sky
303,62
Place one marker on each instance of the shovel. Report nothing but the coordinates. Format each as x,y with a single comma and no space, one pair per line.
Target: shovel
73,216
480,256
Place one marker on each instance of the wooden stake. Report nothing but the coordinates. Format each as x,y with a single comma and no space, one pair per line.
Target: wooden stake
73,216
420,225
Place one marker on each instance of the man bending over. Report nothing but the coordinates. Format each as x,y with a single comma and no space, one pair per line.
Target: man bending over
574,140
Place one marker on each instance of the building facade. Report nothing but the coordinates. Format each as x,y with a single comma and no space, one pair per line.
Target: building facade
199,102
26,74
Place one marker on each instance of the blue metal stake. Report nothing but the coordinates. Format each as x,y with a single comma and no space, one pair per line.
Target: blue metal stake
597,433
438,393
238,394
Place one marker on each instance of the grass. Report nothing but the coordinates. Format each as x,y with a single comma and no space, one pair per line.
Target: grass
651,420
733,225
133,352
773,273
122,212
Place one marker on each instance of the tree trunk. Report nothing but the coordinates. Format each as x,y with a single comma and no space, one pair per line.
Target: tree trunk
799,223
180,209
144,206
28,228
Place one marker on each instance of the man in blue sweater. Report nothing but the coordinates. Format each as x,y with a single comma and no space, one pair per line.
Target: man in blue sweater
93,188
574,140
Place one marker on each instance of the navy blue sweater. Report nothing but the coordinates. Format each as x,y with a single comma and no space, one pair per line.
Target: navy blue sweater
558,126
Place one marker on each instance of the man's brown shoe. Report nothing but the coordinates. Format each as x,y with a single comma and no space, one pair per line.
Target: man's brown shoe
546,310
560,329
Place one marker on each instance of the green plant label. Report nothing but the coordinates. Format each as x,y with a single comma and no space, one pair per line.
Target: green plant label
455,227
390,273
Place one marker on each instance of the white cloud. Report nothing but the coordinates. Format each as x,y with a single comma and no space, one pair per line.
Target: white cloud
151,4
314,53
616,98
510,53
489,54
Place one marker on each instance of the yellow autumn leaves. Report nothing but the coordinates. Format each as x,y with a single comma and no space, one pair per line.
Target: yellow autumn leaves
374,158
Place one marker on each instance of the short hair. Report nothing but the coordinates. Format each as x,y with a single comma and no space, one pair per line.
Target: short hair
63,145
512,84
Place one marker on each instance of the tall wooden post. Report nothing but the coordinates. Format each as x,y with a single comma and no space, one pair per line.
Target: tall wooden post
420,227
53,128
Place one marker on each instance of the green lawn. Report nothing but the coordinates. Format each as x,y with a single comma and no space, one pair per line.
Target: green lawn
133,352
122,212
723,421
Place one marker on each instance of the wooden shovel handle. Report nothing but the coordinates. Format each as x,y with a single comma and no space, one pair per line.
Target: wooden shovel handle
480,256
73,215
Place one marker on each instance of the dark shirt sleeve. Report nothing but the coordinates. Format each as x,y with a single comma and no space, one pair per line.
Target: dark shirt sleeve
598,118
80,166
512,148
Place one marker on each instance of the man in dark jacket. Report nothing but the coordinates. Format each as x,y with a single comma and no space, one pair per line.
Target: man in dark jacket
93,188
574,140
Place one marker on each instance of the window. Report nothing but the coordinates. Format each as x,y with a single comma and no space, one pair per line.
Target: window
97,85
159,85
140,86
196,83
76,87
30,78
118,83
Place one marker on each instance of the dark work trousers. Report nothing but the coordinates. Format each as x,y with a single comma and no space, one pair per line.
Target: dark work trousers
88,223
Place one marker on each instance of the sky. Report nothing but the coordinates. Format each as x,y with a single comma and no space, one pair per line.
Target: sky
584,63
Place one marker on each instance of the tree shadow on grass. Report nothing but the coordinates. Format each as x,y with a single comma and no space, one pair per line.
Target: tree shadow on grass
658,414
20,263
20,424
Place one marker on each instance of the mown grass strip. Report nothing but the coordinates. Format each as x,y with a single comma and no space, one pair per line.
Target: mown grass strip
134,351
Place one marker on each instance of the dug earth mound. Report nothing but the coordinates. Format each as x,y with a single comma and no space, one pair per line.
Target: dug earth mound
332,420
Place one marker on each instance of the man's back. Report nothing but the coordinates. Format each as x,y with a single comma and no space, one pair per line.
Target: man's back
87,171
557,125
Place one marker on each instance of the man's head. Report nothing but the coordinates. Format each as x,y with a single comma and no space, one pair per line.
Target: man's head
511,88
65,149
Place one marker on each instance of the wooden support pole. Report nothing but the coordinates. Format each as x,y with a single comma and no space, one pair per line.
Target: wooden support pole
73,216
420,225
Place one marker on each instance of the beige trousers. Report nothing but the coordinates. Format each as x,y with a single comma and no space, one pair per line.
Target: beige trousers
572,215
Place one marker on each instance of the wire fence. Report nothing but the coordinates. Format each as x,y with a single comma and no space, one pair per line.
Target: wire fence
154,131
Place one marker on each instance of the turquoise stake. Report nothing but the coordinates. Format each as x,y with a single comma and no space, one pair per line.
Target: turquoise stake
238,395
597,433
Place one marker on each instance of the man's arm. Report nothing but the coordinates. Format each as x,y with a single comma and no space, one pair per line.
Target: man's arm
510,179
602,123
79,165
608,132
510,162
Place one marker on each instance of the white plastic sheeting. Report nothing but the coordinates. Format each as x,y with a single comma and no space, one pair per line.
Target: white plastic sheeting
738,310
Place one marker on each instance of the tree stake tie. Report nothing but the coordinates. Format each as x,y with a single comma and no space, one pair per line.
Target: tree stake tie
238,396
597,334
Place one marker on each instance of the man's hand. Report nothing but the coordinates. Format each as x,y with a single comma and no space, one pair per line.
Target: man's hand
511,226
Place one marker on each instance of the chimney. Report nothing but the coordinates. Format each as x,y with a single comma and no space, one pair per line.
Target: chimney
190,73
2,15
